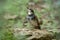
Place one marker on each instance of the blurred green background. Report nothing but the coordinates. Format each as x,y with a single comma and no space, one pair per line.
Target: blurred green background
10,10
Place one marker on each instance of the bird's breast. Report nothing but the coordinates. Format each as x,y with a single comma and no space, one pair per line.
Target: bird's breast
30,18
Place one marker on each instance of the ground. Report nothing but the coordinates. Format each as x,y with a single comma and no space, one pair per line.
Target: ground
13,12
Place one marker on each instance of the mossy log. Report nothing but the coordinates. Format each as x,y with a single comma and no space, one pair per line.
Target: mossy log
34,34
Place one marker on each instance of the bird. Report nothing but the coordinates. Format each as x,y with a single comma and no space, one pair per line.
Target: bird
32,19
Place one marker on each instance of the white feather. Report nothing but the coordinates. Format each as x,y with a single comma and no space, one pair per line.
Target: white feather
29,12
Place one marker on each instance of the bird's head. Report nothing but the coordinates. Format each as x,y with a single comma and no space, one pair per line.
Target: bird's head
30,11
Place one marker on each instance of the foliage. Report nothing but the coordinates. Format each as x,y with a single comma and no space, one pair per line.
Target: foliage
18,7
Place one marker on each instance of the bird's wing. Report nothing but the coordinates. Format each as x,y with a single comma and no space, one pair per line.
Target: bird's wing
34,22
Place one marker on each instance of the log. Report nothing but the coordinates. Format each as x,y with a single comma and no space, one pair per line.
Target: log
34,34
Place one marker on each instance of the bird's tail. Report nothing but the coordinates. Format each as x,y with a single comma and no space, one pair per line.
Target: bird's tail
37,27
